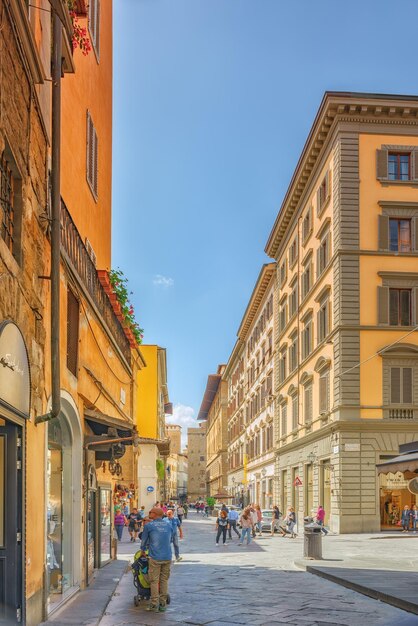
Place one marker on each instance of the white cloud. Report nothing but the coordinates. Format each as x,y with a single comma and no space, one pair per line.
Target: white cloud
163,281
184,416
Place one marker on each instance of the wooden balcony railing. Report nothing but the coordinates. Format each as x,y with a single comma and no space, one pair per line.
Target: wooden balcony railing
84,268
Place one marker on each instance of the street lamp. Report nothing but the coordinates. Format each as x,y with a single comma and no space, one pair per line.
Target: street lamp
263,472
311,457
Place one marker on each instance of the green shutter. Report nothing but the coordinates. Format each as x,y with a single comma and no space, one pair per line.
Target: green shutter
383,305
382,164
383,232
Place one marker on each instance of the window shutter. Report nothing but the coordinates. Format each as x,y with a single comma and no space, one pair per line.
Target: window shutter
318,201
308,404
415,306
415,230
72,332
89,163
323,393
318,262
415,164
395,385
383,305
407,385
95,161
327,184
383,232
382,164
97,29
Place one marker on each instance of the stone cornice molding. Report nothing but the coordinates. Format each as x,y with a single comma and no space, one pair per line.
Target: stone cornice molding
337,108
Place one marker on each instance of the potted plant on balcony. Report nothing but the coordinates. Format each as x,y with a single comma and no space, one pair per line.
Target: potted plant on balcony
124,310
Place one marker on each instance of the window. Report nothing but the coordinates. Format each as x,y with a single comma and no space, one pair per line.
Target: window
72,331
92,156
307,339
307,392
323,194
293,300
283,314
401,385
295,411
323,253
307,226
283,417
400,235
10,203
324,392
283,273
201,458
283,365
400,307
270,344
323,320
306,280
94,25
293,353
293,252
399,166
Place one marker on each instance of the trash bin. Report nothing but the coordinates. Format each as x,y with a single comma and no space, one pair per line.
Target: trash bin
312,547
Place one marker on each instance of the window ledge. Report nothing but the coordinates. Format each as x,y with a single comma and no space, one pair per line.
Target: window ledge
385,182
320,210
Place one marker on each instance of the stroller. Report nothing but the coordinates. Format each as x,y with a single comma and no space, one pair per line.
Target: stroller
139,569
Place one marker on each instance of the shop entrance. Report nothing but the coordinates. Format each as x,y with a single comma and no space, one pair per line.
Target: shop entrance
394,495
10,523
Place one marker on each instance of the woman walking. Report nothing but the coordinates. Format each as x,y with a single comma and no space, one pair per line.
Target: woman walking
119,521
291,522
259,518
246,526
414,517
222,527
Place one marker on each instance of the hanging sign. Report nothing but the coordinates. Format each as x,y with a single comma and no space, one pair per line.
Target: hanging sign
14,370
298,482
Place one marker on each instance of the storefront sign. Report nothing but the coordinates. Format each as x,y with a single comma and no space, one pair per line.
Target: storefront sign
14,369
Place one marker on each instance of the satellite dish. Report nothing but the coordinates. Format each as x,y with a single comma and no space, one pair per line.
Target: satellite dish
413,485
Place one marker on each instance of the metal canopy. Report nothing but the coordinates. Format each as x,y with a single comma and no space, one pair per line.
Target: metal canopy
402,463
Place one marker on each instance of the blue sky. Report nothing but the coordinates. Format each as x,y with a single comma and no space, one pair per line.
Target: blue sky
213,100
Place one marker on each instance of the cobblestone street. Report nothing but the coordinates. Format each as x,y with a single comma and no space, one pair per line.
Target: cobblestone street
258,584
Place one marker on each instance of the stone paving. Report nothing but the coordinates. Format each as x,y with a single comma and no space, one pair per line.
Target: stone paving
255,585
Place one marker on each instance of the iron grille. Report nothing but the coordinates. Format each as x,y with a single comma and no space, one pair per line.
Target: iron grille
6,202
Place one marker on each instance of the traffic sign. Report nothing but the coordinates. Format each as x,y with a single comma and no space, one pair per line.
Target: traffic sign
298,482
150,489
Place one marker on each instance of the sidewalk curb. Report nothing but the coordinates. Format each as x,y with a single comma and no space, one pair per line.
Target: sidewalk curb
399,603
83,608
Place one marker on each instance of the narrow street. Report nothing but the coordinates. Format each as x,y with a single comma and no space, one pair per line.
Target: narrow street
258,584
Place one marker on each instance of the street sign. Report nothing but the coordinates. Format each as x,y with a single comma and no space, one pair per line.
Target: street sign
150,489
298,482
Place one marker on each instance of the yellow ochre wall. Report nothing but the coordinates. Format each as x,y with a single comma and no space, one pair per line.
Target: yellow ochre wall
371,192
146,412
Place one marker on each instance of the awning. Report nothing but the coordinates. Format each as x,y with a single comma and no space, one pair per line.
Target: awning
100,424
222,496
209,395
402,463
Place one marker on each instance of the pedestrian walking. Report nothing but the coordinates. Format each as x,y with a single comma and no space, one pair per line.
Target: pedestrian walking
186,509
175,525
157,537
221,526
254,518
180,513
233,517
275,521
320,519
120,522
414,518
259,518
291,522
246,526
405,519
134,523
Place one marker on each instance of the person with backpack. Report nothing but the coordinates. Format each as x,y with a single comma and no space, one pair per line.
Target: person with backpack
222,526
157,537
232,522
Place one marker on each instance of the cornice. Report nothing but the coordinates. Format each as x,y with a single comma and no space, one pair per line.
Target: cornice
259,291
337,108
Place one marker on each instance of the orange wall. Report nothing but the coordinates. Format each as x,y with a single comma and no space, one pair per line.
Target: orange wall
90,88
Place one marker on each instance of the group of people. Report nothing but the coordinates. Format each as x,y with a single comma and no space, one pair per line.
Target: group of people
409,519
250,520
136,519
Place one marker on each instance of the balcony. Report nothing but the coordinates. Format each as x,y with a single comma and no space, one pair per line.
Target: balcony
400,413
75,253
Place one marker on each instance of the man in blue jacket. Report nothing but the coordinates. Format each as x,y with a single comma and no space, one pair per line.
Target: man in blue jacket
157,537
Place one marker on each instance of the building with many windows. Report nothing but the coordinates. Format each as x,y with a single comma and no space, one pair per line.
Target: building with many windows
249,378
346,246
213,410
196,467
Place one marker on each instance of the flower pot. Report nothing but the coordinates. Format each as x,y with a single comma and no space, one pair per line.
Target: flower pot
103,277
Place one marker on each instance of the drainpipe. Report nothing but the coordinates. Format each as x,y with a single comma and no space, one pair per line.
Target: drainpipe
55,223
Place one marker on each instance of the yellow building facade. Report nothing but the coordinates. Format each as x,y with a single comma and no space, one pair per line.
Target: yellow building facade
345,243
152,404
